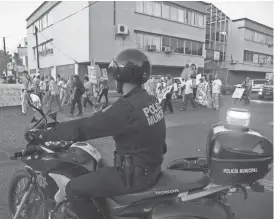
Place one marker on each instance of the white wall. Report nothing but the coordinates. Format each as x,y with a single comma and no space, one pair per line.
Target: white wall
70,36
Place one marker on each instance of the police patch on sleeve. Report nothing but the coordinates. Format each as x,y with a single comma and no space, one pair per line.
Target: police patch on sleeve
154,113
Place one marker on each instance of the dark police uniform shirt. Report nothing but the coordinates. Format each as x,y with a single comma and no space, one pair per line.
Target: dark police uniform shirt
136,122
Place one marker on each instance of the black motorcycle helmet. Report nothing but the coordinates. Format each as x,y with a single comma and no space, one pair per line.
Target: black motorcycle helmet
130,66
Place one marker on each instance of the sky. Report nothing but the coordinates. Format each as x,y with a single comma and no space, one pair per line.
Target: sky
13,16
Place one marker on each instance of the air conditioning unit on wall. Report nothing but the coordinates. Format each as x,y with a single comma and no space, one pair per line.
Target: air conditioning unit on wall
151,47
122,29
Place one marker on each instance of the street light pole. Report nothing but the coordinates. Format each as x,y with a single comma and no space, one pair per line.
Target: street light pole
5,52
37,54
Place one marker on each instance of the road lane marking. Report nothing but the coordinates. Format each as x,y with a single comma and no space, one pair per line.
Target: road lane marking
261,101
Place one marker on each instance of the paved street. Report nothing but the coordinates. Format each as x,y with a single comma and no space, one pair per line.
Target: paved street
186,136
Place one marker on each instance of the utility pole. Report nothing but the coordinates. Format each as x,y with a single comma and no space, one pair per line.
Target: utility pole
37,54
5,52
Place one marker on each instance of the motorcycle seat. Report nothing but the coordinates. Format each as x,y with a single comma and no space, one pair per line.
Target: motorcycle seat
171,182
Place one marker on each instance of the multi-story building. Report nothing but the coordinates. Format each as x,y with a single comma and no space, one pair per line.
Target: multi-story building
249,51
216,42
71,35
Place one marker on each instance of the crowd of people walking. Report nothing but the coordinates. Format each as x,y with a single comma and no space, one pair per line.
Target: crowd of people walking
61,92
203,93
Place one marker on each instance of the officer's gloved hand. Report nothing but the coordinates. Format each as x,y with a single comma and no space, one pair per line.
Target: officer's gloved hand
34,136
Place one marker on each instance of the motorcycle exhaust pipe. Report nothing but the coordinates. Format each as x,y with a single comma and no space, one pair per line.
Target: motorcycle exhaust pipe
23,201
211,189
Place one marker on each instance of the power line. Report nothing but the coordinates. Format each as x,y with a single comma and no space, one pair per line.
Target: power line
75,12
46,38
59,20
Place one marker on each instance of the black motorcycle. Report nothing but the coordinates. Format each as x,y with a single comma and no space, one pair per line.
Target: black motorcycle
188,188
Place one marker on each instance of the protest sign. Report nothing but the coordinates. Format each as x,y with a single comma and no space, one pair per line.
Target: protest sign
10,94
238,93
92,75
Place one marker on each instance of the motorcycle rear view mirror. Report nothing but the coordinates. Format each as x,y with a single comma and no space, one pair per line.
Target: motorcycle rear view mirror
35,102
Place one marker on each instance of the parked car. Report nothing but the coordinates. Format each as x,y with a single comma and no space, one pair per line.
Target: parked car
256,84
266,91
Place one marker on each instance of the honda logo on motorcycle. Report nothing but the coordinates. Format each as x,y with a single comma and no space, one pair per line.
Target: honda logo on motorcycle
165,192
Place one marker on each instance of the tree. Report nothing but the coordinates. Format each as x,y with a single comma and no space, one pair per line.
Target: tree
4,60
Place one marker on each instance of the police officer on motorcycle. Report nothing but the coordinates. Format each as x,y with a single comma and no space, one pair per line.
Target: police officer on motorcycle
136,122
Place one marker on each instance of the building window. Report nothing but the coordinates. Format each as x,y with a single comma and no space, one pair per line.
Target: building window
188,17
50,19
173,44
200,20
165,11
257,37
43,22
143,40
156,40
176,45
194,48
253,57
140,6
157,9
173,14
165,42
181,46
148,7
200,49
44,49
181,15
248,56
187,47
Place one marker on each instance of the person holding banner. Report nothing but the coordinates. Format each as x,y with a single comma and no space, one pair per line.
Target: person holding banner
216,92
88,93
168,95
202,89
26,81
103,90
189,93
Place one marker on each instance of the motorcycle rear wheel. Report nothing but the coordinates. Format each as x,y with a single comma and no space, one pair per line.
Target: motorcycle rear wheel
36,196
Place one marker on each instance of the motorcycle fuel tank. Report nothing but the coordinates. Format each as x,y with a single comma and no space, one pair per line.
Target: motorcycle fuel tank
202,208
236,157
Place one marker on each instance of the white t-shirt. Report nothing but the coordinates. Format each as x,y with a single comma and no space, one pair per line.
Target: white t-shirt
189,88
53,88
60,83
216,86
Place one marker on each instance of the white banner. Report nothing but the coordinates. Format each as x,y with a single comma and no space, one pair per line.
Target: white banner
161,94
92,75
10,94
238,93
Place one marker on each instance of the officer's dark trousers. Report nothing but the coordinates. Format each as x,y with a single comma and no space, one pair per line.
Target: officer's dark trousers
106,182
105,93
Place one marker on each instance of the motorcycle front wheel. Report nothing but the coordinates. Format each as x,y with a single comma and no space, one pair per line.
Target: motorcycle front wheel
34,206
